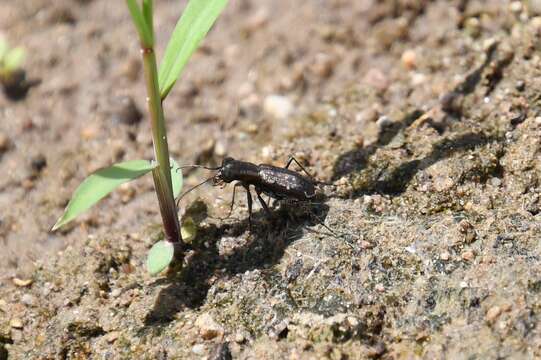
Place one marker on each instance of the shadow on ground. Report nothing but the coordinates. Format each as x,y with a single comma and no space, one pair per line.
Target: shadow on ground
266,246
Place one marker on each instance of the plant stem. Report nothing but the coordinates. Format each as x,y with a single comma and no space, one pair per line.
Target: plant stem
162,174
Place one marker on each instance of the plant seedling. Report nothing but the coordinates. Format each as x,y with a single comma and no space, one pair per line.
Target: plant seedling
12,76
195,22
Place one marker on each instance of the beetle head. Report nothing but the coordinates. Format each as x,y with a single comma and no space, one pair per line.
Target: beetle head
226,172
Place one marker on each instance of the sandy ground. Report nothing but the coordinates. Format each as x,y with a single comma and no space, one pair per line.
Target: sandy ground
424,114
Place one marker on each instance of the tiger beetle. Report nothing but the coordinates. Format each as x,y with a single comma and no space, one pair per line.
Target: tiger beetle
276,182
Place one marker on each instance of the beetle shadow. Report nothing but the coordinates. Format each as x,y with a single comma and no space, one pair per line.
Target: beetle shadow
222,255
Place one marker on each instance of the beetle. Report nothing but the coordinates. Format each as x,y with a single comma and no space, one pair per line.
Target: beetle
276,182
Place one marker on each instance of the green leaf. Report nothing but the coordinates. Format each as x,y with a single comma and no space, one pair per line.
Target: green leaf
148,13
176,177
160,256
14,58
99,184
145,32
193,25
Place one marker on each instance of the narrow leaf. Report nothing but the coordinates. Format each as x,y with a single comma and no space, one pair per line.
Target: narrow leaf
193,25
148,13
176,177
145,32
160,256
14,58
99,184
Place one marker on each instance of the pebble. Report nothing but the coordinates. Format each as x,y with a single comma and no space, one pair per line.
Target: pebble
198,349
208,328
3,305
379,288
445,256
256,21
116,293
366,245
22,282
131,69
127,192
125,111
240,338
383,122
534,7
377,79
493,313
409,59
5,143
112,336
16,323
323,65
28,299
515,6
89,132
538,120
468,255
278,106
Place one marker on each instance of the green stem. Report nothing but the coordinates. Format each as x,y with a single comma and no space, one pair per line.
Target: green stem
162,174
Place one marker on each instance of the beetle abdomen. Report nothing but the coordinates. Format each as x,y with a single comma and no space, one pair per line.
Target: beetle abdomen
282,183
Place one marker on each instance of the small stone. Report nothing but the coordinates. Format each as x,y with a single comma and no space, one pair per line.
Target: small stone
116,293
278,106
496,182
443,183
198,349
538,120
3,305
383,122
534,7
131,69
125,111
22,282
379,288
112,336
89,133
208,328
323,65
493,313
5,143
468,255
452,102
220,149
409,59
256,21
240,338
28,300
445,256
366,245
516,7
16,323
127,192
377,79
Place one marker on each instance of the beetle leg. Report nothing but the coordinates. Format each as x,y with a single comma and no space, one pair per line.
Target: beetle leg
232,201
263,203
291,159
249,199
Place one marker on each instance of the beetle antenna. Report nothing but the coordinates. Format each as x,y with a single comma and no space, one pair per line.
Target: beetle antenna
194,187
200,167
